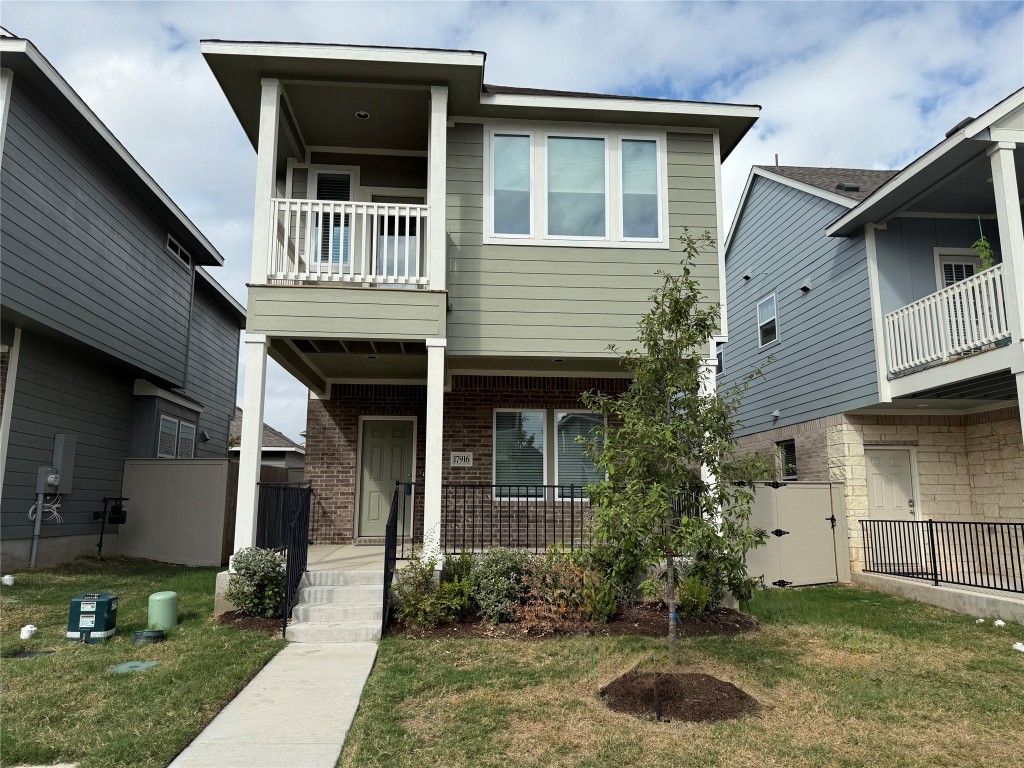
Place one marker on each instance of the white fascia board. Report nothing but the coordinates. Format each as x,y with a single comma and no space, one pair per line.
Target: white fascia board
832,197
617,105
739,211
18,45
966,133
343,53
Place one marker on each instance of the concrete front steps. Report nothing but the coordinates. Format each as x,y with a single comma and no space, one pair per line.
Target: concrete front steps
338,607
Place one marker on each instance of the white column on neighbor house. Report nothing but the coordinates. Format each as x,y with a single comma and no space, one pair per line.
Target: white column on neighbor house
434,458
1011,245
437,190
266,177
253,391
709,388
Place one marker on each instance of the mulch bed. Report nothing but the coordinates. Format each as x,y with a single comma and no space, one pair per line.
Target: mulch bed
690,698
239,620
642,620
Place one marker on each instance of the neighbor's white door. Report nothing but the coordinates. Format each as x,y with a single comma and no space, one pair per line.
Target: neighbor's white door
896,548
386,460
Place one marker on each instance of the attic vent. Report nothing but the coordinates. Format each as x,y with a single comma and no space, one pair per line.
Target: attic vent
965,122
848,186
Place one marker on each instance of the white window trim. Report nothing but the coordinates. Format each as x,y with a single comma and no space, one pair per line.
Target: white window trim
195,433
494,454
175,422
554,438
539,133
758,323
662,182
355,190
186,262
489,192
953,256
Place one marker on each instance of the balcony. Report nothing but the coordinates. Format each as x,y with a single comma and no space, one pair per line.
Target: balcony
965,318
365,244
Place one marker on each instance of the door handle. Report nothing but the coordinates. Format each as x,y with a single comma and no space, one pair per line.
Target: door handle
910,503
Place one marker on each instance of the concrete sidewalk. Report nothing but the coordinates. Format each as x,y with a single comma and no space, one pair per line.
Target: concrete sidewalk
294,714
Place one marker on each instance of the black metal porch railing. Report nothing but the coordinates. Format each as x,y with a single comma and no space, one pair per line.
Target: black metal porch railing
282,524
969,554
534,517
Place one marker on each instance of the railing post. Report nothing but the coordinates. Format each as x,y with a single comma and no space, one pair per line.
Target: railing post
931,547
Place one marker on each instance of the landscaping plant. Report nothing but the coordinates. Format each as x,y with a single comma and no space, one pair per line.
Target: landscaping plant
499,583
424,602
563,592
257,587
675,484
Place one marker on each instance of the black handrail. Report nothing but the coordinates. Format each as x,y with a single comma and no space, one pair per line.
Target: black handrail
961,553
390,542
293,504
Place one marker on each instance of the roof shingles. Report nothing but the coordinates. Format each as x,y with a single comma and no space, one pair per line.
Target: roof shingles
829,179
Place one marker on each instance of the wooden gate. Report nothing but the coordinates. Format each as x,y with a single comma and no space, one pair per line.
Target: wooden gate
807,539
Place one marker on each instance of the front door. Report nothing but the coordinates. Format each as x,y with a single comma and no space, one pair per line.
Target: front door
900,546
386,460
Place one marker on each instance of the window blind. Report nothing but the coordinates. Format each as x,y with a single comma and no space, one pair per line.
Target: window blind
954,273
511,185
574,466
639,188
519,452
576,187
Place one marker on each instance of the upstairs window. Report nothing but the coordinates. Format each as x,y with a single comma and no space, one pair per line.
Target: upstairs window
954,267
719,359
584,190
173,246
767,321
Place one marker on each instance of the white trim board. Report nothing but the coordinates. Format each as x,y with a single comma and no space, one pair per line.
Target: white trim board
143,388
357,501
342,52
5,420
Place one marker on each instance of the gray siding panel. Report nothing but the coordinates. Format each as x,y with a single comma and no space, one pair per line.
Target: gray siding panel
61,389
213,372
824,358
80,255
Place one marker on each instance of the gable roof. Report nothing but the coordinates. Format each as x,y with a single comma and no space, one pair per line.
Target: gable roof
272,439
830,179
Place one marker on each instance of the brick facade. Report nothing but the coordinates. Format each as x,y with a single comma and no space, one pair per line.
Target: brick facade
332,433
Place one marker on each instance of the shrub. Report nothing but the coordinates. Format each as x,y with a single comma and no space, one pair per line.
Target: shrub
422,601
499,586
694,598
700,587
258,584
564,593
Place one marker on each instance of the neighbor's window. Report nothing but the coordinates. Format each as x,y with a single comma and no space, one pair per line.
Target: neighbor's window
513,175
186,440
787,457
641,212
577,205
720,359
519,454
574,470
167,445
767,325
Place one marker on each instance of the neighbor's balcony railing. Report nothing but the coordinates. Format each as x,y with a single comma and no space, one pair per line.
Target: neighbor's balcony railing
964,317
363,243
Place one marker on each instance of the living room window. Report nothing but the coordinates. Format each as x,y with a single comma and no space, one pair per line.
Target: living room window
575,189
519,454
574,470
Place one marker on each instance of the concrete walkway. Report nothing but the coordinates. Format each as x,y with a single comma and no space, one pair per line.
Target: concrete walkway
294,714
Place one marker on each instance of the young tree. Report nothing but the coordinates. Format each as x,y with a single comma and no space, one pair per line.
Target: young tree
675,485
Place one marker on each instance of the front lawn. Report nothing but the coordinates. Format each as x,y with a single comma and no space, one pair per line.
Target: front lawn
845,676
68,706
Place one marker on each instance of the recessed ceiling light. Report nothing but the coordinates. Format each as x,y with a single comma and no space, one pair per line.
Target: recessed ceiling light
362,115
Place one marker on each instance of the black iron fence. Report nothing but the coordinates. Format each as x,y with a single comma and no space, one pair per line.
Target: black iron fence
534,517
282,523
970,554
391,549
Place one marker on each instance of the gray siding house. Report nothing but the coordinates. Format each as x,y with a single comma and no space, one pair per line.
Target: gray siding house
112,331
898,366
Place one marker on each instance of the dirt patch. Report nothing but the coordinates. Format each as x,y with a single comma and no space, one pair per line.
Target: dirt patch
642,620
691,698
239,620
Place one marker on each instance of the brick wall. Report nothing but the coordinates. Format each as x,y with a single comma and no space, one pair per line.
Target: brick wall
332,433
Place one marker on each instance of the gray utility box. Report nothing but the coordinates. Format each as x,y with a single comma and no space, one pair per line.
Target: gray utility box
92,617
59,476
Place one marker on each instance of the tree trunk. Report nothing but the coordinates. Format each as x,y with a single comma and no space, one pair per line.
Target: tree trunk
670,598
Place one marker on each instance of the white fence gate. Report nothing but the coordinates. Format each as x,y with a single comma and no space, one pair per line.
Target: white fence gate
807,538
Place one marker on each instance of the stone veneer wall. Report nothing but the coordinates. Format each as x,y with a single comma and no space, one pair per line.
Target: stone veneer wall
332,433
969,467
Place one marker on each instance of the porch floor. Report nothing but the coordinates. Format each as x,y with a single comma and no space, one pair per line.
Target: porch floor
345,557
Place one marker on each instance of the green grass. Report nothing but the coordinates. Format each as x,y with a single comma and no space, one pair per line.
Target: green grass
847,677
68,706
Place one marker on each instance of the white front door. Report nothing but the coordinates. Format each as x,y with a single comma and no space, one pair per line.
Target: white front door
897,546
386,460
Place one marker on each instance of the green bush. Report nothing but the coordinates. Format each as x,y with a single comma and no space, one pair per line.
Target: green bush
258,584
499,586
422,601
693,598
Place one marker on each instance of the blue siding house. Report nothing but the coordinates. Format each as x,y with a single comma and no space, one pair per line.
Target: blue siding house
113,333
897,353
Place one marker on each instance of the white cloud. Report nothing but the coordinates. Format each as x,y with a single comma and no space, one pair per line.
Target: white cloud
849,84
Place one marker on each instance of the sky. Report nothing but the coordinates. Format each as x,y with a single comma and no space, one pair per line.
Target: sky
869,85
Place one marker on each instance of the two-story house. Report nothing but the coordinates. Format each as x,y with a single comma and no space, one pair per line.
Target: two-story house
899,366
115,341
444,263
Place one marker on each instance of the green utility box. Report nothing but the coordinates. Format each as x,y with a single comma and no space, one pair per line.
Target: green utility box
92,617
163,610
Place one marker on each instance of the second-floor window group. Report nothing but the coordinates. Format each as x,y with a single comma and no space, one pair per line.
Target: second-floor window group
553,187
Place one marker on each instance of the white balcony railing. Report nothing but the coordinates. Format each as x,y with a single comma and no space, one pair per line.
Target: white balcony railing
365,243
964,317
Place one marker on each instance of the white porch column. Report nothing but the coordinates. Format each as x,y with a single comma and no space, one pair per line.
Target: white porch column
252,439
437,189
709,388
1011,245
433,460
266,177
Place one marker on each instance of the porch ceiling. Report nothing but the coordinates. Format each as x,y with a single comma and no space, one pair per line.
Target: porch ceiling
967,190
353,358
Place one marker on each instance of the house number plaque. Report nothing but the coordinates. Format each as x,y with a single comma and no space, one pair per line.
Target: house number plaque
462,459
